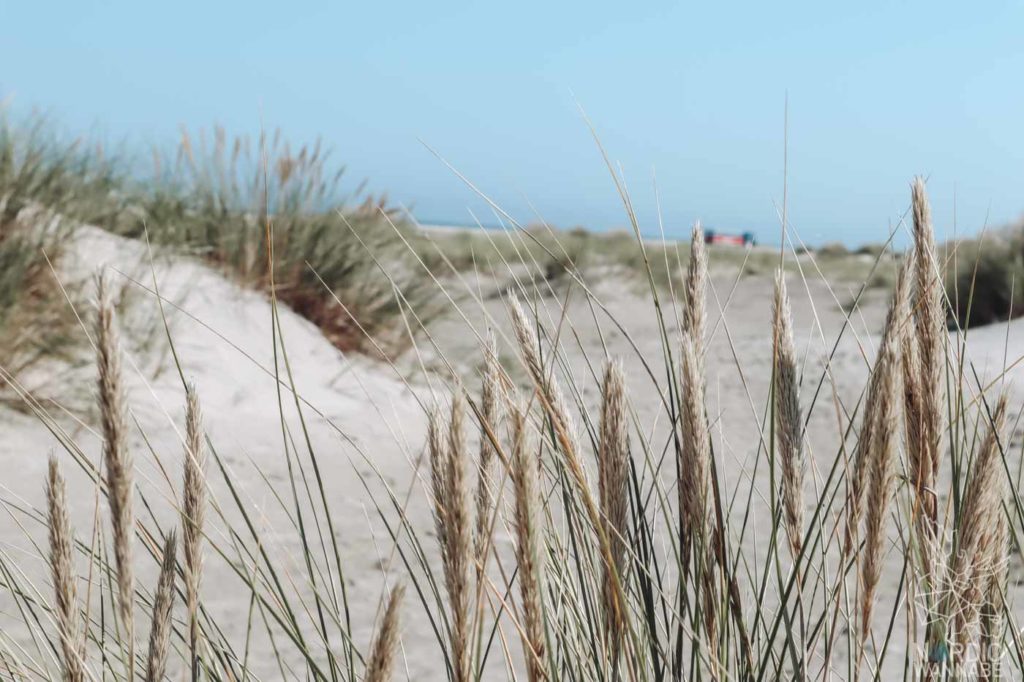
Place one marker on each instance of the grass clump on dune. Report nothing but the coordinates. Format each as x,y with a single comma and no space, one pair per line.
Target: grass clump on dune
342,264
273,216
664,568
985,277
46,185
349,263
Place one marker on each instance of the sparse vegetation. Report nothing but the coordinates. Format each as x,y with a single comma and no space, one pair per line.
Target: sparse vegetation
833,250
340,262
874,250
349,263
46,184
984,284
646,574
664,568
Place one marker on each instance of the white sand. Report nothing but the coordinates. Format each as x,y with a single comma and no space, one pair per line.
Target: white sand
364,421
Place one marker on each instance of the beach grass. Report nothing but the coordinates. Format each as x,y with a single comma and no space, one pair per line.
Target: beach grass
661,568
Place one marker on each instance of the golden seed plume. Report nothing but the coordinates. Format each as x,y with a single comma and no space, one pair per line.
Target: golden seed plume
117,459
878,401
788,427
62,569
919,463
613,488
694,484
990,644
491,414
877,458
918,457
976,558
385,645
163,602
554,402
695,451
696,287
529,552
930,324
452,518
193,513
437,448
555,407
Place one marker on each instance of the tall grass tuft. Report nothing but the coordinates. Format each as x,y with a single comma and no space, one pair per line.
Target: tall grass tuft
62,571
47,183
160,625
695,466
385,645
930,325
745,571
193,511
529,550
876,453
448,459
788,426
117,461
550,391
879,409
696,289
276,218
980,546
613,488
491,412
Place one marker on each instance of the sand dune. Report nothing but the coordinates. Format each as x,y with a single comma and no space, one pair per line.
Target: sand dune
365,420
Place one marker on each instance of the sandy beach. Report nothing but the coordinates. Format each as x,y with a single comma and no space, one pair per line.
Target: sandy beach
365,418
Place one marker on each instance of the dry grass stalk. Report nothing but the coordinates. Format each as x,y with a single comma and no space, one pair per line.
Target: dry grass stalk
160,628
437,448
694,314
695,454
62,569
491,413
385,645
555,407
919,462
193,513
991,612
930,318
694,484
925,403
979,549
553,401
613,488
878,458
695,467
453,518
529,554
890,354
788,427
117,460
920,466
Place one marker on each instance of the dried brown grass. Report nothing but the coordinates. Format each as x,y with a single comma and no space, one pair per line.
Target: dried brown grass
529,551
193,514
877,456
453,517
117,461
163,603
613,488
788,424
62,571
380,667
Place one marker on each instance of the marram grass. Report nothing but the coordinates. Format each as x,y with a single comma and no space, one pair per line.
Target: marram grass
572,542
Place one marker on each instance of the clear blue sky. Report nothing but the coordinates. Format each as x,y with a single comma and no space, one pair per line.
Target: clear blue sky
692,92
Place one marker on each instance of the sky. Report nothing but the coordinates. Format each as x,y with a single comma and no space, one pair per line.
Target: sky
688,99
